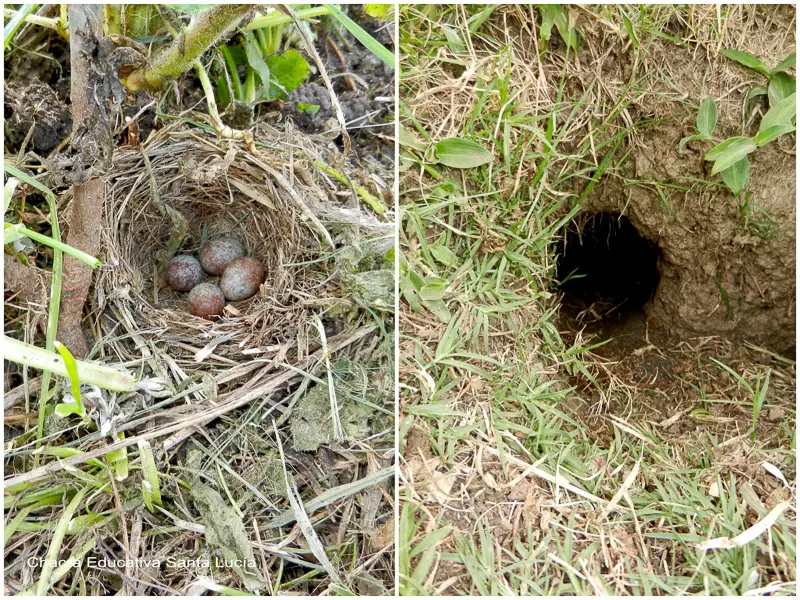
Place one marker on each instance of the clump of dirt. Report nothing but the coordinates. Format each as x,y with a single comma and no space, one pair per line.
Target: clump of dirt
35,105
312,424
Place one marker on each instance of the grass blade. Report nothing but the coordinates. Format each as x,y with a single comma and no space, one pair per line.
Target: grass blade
151,491
369,42
16,21
58,538
15,230
55,293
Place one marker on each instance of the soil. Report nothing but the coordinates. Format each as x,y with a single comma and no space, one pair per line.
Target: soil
363,84
722,282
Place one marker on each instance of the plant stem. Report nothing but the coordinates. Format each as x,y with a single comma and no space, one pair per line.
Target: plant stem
55,297
250,85
205,30
105,377
17,19
221,129
261,35
49,23
48,241
278,18
90,95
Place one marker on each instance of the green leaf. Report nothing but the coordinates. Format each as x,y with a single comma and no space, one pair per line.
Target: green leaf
461,154
410,294
72,371
12,233
629,28
735,176
434,289
692,138
786,64
732,153
384,12
453,39
255,59
568,33
548,14
407,138
717,150
477,20
118,459
765,137
439,308
780,86
780,114
748,60
444,255
67,408
416,280
311,109
369,42
289,71
707,117
757,90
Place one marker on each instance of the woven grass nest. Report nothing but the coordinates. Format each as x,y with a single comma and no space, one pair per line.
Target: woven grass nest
288,212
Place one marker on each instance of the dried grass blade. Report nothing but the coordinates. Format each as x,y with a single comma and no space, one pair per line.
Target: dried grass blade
302,519
748,535
298,201
333,494
338,431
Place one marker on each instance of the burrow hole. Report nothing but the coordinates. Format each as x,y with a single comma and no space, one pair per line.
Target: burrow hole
607,270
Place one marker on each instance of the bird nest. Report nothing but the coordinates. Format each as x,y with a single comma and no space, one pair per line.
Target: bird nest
178,189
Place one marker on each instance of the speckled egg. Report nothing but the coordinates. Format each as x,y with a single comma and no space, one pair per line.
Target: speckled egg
217,254
242,278
183,273
206,300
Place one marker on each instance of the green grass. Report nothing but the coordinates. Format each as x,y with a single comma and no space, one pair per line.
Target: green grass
486,377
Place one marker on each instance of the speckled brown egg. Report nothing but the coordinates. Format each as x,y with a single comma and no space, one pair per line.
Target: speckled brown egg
183,273
242,278
217,254
206,300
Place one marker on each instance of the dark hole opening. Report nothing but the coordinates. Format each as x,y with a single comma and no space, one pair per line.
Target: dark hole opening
606,269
